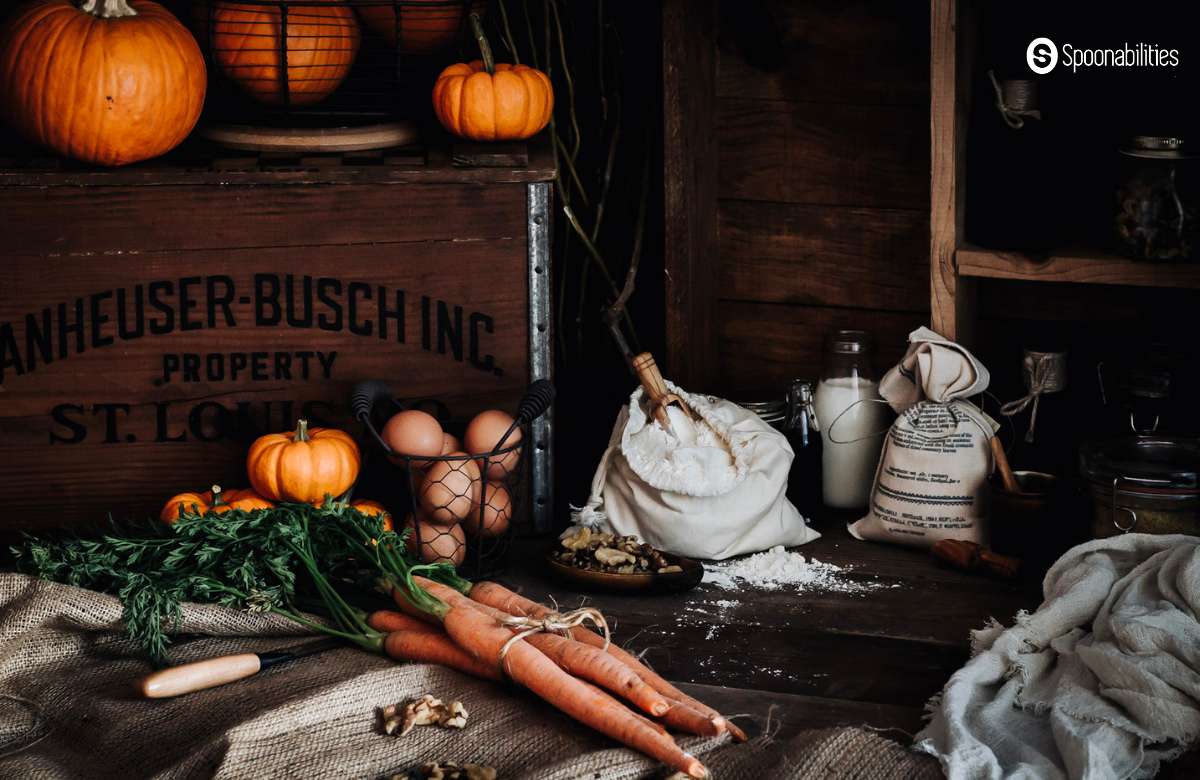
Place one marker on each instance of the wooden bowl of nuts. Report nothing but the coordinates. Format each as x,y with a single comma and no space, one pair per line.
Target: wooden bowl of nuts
600,561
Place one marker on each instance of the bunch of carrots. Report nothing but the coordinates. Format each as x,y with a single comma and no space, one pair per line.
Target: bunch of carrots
580,674
251,558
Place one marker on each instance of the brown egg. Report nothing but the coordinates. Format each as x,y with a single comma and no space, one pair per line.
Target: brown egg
450,443
450,489
434,543
496,514
413,432
485,432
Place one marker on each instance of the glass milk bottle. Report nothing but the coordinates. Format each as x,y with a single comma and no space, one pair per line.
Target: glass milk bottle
852,420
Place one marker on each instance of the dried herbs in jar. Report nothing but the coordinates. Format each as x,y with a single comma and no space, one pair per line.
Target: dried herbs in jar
1157,200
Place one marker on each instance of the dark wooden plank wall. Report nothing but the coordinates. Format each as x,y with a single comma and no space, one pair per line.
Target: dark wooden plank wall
822,127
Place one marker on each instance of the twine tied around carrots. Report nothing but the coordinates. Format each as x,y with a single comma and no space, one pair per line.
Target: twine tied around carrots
553,623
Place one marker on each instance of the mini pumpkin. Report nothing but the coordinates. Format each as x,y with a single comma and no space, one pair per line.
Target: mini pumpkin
304,465
214,501
322,42
109,82
488,101
374,509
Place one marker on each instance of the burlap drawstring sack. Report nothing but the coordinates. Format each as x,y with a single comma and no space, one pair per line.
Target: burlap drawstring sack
67,710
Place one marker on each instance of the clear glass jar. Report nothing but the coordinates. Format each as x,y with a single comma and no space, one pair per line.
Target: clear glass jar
794,416
853,419
1157,200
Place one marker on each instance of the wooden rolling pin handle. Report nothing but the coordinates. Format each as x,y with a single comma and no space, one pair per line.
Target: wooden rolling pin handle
969,556
650,377
1007,478
187,678
999,565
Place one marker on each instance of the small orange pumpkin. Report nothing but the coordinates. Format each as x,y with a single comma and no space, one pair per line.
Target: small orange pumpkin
374,509
303,465
215,501
486,101
322,42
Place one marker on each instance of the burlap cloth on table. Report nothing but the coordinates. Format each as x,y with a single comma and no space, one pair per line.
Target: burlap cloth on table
67,711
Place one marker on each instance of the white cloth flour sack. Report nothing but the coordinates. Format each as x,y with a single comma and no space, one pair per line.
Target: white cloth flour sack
932,473
711,489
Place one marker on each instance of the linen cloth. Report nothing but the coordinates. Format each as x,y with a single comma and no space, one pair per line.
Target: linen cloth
67,710
710,489
1102,681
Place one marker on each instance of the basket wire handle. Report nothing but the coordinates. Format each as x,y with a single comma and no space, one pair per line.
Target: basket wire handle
537,400
363,400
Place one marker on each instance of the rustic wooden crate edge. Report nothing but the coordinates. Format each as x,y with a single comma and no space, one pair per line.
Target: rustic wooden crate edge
361,219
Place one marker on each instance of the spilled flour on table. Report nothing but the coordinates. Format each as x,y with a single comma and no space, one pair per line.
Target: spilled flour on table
778,569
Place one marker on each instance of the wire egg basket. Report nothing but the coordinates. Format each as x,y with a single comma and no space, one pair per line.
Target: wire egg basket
460,508
319,59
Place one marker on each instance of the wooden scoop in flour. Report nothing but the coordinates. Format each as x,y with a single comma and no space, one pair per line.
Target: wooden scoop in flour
657,393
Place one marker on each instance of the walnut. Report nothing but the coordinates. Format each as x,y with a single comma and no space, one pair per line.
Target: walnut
578,538
448,770
425,711
610,557
670,569
455,716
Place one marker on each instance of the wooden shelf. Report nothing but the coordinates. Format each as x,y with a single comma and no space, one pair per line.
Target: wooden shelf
1079,267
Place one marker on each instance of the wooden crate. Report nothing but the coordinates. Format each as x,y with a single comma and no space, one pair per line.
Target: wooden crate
155,320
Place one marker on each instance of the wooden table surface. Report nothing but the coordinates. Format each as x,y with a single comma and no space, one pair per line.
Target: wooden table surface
814,659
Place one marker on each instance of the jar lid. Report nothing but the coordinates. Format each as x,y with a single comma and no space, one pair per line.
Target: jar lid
1159,462
773,412
849,342
1156,147
761,408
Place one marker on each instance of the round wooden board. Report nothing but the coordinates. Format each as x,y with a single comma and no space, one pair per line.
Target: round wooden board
383,135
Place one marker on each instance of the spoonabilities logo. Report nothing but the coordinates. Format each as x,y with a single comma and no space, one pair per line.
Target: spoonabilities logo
1041,55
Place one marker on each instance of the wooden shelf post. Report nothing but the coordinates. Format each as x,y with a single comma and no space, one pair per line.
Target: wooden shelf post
952,297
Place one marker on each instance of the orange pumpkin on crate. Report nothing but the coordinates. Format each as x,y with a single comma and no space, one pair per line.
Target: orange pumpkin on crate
303,465
421,27
247,42
488,101
215,501
109,82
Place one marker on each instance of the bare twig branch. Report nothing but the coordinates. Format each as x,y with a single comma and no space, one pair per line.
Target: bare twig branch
617,311
509,41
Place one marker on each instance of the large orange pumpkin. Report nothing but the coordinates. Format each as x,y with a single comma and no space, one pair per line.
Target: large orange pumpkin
109,82
215,501
304,465
486,101
322,42
424,26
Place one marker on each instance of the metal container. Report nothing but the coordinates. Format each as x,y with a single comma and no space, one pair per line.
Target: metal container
1144,484
317,64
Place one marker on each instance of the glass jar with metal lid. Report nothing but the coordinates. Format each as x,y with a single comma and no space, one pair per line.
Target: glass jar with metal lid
795,417
1144,484
1157,199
